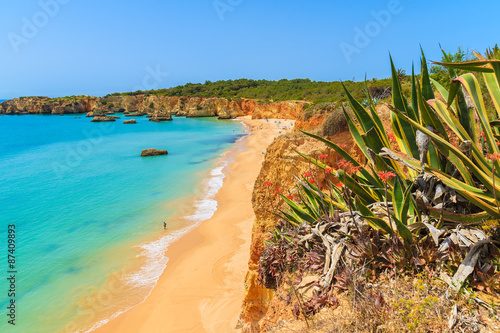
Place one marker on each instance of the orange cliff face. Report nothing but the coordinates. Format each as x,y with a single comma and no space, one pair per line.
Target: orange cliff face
276,110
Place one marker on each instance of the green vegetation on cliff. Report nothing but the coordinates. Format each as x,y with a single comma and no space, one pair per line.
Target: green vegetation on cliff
282,90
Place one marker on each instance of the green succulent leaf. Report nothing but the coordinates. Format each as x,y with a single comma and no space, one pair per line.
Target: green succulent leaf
303,214
378,224
403,230
472,86
427,91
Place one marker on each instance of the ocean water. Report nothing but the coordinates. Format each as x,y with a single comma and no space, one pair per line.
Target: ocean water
89,211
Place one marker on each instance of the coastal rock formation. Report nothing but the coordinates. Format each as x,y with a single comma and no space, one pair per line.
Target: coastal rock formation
280,164
45,105
153,152
140,105
225,114
288,109
160,115
100,119
130,121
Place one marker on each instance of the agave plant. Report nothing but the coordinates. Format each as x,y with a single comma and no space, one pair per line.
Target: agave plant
479,180
421,127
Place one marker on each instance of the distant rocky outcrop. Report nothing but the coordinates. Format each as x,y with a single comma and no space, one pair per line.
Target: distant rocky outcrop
153,152
130,121
45,105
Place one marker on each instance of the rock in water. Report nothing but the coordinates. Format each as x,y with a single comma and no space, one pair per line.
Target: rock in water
101,119
153,152
130,121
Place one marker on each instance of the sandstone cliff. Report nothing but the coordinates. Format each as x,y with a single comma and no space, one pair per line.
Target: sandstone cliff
142,104
45,105
280,164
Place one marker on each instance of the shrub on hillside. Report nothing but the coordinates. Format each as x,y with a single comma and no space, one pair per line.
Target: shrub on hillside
335,123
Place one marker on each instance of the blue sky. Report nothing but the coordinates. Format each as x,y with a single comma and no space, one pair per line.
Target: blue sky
66,47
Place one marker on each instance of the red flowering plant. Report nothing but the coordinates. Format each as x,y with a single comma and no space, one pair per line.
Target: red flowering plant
386,175
268,184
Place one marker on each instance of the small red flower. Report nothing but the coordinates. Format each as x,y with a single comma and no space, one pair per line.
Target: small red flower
307,174
355,169
328,170
391,137
339,185
343,146
481,134
494,157
385,175
289,197
323,157
342,164
349,168
268,183
312,181
278,191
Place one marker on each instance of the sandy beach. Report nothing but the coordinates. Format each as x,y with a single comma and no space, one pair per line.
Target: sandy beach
202,287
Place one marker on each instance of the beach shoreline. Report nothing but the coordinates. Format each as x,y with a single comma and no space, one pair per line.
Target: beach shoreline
201,289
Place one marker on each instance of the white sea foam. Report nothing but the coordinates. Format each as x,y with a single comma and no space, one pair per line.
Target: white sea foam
154,252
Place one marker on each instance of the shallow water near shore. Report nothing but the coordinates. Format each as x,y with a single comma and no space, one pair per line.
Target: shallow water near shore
89,211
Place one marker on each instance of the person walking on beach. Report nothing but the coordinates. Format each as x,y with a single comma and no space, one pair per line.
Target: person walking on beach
164,225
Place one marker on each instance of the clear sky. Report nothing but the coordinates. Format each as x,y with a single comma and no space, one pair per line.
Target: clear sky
95,47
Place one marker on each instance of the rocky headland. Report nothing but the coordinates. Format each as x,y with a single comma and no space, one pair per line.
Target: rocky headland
157,108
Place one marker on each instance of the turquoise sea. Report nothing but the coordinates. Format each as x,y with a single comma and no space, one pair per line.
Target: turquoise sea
89,211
